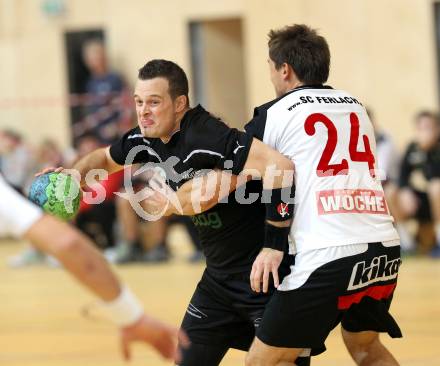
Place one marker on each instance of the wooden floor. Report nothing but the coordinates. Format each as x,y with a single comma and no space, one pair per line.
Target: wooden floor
41,321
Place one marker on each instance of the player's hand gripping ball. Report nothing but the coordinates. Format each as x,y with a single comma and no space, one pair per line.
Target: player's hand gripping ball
57,194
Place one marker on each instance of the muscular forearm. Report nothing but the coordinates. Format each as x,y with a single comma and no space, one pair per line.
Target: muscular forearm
190,206
185,199
98,159
202,193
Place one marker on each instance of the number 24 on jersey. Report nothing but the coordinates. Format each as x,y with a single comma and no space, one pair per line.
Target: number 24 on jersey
325,169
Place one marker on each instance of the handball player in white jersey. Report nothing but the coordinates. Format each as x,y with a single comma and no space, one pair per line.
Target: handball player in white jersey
20,218
347,250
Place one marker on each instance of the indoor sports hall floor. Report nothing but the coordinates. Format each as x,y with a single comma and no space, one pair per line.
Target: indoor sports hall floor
41,321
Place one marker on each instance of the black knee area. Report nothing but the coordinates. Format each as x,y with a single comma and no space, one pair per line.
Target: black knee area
202,354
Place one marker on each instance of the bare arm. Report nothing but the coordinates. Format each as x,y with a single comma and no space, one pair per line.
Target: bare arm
265,161
77,254
196,195
98,159
202,193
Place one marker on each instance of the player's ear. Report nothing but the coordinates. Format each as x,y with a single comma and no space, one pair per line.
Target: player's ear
181,102
286,71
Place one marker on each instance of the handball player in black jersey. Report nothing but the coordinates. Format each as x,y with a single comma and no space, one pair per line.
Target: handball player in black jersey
182,142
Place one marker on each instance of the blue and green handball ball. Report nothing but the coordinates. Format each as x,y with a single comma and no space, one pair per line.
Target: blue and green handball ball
57,194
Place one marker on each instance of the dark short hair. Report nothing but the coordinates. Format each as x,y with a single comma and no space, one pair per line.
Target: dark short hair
428,114
177,80
14,135
303,49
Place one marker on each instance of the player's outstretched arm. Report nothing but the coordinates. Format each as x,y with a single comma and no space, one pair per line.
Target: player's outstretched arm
86,264
202,193
98,159
274,168
194,196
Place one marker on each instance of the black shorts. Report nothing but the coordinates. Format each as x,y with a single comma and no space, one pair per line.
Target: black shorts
224,311
423,212
351,284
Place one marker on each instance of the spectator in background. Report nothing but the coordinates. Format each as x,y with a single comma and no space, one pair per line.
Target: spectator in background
49,154
419,181
17,162
388,162
388,159
131,249
109,108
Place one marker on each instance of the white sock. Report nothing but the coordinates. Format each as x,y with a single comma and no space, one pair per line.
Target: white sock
407,241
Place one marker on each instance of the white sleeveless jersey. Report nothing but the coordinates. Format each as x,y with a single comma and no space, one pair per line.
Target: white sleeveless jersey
17,214
339,198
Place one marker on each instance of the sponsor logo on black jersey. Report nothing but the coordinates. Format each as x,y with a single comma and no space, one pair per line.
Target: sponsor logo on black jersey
211,219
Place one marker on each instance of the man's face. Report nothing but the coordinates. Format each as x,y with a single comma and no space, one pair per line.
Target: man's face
155,109
427,132
95,58
7,143
276,77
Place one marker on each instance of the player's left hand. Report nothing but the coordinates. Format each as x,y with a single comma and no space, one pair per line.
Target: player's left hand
162,337
267,262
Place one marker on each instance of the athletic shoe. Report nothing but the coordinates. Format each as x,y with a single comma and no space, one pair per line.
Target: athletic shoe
158,254
435,252
126,254
196,257
405,253
28,257
53,262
